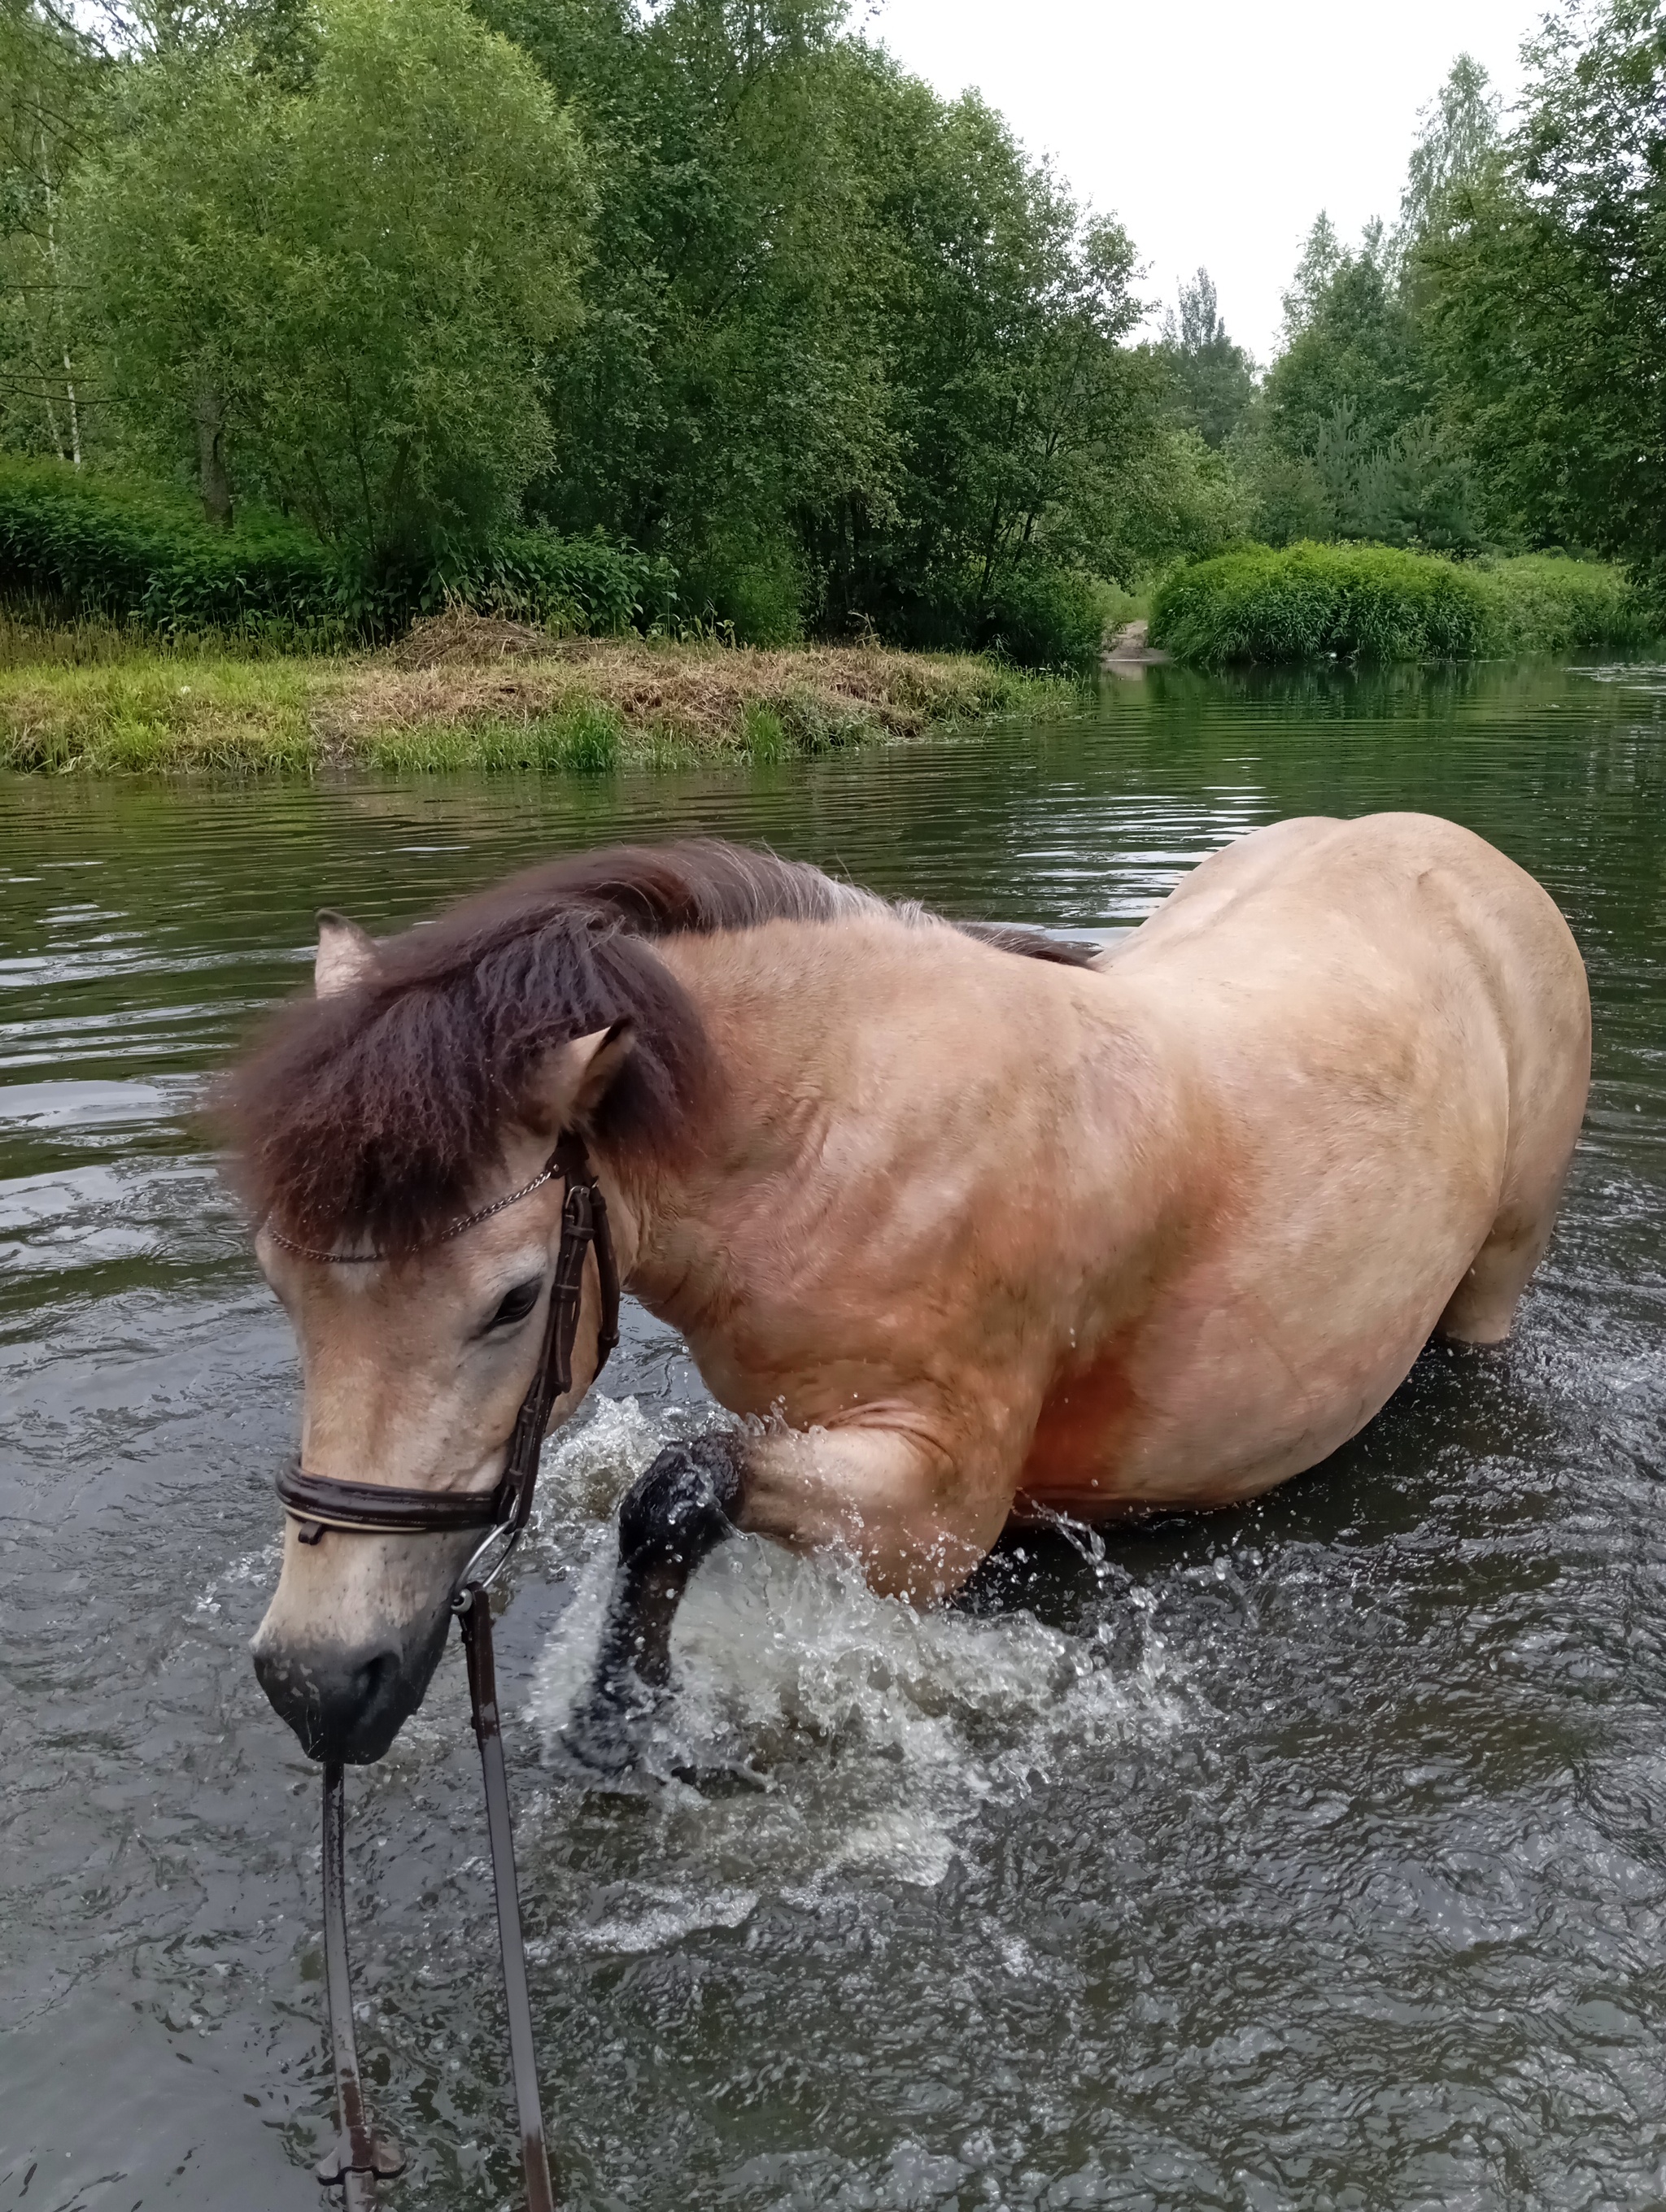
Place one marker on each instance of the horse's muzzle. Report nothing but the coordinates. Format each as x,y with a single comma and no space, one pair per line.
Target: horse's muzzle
348,1704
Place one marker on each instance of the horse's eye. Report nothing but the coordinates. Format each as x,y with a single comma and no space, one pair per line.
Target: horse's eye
514,1305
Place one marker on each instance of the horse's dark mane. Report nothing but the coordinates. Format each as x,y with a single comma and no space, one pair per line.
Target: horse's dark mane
371,1113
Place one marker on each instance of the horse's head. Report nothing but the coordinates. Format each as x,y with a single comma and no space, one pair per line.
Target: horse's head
413,1367
427,1077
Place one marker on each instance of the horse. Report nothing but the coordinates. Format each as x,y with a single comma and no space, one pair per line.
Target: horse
960,1222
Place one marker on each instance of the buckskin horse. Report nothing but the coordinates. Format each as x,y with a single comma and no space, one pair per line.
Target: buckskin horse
954,1219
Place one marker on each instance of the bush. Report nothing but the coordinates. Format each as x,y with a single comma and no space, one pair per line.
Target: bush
1037,615
84,546
1373,603
1044,617
1315,602
744,586
1319,603
583,585
1546,602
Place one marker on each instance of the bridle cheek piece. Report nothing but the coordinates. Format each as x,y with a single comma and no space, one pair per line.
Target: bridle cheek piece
318,1503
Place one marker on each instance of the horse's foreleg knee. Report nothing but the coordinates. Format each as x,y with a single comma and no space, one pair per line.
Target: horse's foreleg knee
673,1516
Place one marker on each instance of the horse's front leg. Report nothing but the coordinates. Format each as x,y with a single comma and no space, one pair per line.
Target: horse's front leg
681,1508
918,1511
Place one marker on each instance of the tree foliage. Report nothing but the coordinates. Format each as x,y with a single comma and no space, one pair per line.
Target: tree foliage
338,272
1493,373
50,78
1213,379
1454,149
1548,292
715,281
847,356
714,277
1352,438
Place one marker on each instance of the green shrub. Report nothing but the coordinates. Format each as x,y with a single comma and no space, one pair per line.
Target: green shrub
86,546
1046,618
1317,602
746,588
1373,603
583,585
1036,615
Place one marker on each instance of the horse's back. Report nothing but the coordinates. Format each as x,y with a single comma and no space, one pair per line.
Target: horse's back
1392,912
1396,934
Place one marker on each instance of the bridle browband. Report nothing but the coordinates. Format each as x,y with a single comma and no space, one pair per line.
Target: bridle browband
550,1170
318,1503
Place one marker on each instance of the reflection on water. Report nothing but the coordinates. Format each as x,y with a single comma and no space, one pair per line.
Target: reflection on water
1307,1855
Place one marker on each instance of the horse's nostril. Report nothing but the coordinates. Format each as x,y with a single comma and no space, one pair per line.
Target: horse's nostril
376,1679
341,1705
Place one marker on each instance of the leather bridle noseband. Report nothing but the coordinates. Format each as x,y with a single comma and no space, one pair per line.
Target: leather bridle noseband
319,1503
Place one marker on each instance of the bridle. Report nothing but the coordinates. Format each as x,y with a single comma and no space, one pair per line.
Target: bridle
320,1503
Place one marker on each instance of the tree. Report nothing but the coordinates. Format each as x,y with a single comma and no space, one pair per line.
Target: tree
1321,257
1018,411
728,377
849,357
1349,440
1458,138
1548,291
49,76
1213,379
332,270
712,275
1350,339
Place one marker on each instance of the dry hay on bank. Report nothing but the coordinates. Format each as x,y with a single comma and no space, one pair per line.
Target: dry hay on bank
459,671
479,692
459,638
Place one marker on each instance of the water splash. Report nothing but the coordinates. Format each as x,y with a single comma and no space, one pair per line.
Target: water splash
874,1733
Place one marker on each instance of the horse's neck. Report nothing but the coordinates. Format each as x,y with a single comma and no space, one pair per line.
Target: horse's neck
861,1066
773,1022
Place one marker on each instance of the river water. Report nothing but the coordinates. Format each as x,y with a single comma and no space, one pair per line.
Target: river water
1313,1854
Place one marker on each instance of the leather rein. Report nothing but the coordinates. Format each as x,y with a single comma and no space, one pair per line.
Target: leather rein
319,1502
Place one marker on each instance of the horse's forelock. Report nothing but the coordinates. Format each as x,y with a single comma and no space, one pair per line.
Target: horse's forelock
373,1113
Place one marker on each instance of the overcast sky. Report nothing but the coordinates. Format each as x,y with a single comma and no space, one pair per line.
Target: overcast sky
1216,129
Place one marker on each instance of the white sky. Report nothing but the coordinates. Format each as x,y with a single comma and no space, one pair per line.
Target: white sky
1215,129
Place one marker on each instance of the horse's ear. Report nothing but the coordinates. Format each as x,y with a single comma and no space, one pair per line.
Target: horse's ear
575,1078
346,954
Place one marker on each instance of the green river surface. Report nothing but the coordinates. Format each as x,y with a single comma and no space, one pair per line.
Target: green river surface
1311,1855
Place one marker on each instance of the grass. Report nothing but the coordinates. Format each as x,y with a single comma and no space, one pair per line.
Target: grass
1310,602
464,692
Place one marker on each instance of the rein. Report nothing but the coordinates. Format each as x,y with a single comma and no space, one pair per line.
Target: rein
317,1503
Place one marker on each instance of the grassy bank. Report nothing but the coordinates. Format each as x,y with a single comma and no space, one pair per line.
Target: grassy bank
1373,603
464,692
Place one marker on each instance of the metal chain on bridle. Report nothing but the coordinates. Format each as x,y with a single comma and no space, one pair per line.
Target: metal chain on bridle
359,2157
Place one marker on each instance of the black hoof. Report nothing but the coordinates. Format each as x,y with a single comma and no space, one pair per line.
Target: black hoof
604,1740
